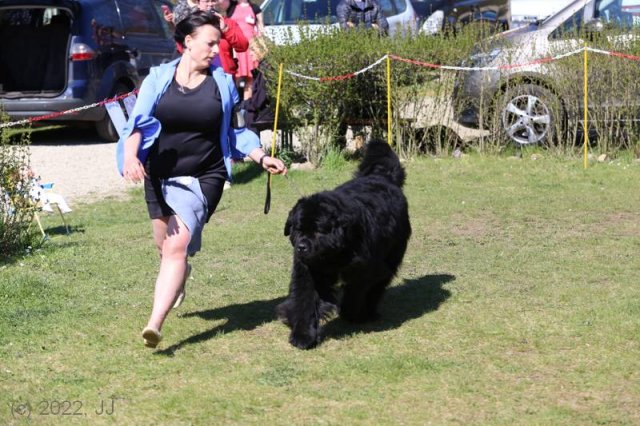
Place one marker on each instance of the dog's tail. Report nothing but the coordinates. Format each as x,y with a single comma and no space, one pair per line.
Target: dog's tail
379,159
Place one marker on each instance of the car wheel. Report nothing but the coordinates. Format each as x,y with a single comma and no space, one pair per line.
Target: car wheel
531,114
105,128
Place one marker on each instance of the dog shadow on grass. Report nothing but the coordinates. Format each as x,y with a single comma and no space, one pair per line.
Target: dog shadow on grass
409,300
401,303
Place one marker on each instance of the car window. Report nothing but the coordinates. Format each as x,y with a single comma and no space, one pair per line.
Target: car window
400,5
138,17
157,4
571,26
610,12
387,7
288,12
105,24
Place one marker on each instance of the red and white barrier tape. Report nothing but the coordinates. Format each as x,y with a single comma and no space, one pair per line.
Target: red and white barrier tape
339,77
494,68
353,74
616,54
69,111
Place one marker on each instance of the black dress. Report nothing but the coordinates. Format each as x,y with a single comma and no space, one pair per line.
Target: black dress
188,144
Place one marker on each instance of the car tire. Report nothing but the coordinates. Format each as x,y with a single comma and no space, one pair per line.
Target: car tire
105,128
531,114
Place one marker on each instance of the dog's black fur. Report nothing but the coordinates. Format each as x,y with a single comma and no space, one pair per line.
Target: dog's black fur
357,234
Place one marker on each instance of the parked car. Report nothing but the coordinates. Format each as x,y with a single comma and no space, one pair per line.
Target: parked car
282,18
435,16
524,12
58,55
529,104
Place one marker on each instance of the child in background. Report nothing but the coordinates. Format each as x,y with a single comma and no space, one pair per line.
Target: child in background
249,18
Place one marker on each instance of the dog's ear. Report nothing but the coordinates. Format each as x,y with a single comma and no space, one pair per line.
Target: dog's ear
287,226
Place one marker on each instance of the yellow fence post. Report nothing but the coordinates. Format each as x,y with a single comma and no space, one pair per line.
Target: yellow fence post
388,99
275,120
586,107
267,201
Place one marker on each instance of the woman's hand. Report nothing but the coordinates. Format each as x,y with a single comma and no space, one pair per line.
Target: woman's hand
167,14
133,169
275,166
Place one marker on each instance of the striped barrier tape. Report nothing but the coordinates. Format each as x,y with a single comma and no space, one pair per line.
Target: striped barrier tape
339,77
69,111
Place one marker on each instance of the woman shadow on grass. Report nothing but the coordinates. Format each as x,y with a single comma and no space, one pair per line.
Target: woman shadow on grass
401,303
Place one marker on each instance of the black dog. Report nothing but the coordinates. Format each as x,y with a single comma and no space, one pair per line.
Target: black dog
356,234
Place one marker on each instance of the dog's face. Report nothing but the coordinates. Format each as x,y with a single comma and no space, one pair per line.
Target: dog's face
316,229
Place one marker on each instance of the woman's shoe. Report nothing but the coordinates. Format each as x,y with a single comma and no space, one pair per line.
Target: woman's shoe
182,293
151,337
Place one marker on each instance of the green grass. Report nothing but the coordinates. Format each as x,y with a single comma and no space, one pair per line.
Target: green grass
517,303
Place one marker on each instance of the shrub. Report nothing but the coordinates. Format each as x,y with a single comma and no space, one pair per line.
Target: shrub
16,209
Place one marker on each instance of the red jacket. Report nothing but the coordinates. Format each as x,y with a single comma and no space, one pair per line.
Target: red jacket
232,39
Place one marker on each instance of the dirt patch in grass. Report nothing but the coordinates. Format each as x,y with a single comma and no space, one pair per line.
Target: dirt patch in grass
625,223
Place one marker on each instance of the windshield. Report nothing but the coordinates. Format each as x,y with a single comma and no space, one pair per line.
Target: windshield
615,12
289,12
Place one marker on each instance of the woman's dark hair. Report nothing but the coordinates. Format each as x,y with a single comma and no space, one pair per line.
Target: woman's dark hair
192,22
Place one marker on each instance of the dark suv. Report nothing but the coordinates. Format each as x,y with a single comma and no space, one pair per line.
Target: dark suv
57,55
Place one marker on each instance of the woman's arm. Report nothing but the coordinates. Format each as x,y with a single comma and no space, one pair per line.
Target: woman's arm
260,23
233,34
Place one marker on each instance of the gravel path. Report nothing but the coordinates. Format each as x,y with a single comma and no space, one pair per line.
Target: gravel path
84,172
81,166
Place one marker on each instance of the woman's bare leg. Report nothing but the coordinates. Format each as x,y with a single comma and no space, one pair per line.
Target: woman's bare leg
172,238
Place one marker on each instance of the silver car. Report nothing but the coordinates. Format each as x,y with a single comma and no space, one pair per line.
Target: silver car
282,18
528,104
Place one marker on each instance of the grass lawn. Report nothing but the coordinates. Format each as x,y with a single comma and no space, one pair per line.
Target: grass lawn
518,303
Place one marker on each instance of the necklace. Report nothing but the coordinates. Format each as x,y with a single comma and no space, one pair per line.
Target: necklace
184,88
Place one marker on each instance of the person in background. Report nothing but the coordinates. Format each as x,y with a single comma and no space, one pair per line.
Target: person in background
182,9
179,141
259,110
249,18
365,13
232,37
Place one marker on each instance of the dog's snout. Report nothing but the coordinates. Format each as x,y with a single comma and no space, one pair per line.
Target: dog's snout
302,247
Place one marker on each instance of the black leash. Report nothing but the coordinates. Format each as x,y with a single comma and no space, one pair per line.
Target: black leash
292,184
267,201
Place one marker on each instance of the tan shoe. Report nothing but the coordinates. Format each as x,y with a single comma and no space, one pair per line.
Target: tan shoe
182,293
151,336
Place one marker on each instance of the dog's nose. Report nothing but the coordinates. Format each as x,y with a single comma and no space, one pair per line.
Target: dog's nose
302,247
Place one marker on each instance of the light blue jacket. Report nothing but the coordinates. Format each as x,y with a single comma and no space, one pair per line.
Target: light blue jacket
235,143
